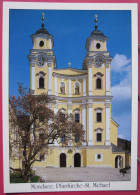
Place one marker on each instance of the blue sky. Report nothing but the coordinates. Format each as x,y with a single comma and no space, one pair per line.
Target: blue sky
70,30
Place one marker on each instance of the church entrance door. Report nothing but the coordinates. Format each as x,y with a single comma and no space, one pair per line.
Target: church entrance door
62,160
77,160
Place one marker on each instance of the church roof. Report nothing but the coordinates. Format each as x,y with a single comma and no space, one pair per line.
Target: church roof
42,31
117,148
97,33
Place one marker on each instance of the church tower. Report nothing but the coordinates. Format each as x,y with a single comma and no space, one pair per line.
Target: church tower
42,61
97,63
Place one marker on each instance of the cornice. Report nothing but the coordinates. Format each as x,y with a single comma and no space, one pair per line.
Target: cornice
58,75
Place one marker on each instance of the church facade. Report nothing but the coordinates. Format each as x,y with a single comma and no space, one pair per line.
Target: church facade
86,93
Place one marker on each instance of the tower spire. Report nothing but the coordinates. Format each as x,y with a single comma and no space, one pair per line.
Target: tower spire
96,22
43,20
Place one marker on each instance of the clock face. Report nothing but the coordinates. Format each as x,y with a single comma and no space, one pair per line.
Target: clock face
41,61
98,62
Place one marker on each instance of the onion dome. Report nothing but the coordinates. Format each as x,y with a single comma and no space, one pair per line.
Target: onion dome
97,33
42,30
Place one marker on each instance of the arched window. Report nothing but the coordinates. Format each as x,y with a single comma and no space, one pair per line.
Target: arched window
98,83
41,83
98,114
41,79
62,88
99,137
77,115
99,134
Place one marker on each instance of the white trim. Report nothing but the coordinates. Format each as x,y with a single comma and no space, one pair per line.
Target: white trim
84,120
96,157
50,43
49,80
38,43
107,115
90,81
107,80
69,87
90,125
33,78
84,86
55,85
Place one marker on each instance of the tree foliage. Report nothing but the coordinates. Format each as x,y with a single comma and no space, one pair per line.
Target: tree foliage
34,127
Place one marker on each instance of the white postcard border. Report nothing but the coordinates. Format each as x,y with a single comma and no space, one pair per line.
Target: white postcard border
123,185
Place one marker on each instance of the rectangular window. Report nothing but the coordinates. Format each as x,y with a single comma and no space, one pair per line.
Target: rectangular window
99,156
77,138
99,137
99,117
42,157
62,139
77,118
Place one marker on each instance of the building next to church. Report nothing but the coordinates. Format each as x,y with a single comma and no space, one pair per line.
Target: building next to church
86,93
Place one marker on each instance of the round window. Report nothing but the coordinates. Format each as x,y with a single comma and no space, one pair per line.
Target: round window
41,43
98,45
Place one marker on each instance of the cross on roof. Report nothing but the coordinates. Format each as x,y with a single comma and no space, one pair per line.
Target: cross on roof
69,64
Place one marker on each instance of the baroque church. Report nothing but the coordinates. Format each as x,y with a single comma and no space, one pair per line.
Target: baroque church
86,93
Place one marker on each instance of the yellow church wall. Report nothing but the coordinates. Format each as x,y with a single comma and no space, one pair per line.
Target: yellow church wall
99,124
35,44
37,70
68,71
113,132
98,91
118,154
93,45
91,160
60,106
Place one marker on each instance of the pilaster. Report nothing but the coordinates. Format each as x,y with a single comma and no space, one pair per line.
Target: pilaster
107,78
55,85
69,87
107,110
84,119
90,123
69,107
33,78
49,78
90,79
84,86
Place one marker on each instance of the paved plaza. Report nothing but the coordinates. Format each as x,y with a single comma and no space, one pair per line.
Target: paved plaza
81,174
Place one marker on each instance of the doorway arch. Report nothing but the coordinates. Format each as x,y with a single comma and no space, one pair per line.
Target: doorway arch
119,162
77,160
62,160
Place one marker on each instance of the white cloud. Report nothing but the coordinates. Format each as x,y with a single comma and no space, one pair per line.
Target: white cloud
121,136
122,91
120,63
124,121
